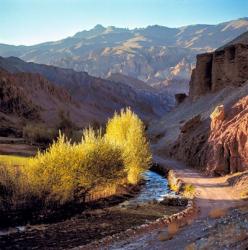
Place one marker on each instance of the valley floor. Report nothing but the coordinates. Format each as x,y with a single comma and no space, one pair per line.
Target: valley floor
214,197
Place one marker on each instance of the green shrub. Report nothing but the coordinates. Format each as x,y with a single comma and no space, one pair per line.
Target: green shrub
39,133
102,162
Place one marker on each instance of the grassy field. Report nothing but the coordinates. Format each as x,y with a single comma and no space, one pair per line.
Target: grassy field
13,160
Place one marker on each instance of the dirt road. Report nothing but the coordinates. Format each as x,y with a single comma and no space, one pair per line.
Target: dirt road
211,193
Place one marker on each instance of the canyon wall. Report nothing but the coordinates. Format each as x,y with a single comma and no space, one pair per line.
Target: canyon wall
214,137
214,71
217,145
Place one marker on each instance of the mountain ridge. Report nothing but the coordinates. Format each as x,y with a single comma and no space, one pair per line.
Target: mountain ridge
157,55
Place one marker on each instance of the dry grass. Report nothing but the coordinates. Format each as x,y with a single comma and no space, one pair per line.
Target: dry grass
189,191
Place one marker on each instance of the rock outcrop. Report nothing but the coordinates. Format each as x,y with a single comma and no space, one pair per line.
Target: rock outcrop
215,71
219,144
227,149
209,130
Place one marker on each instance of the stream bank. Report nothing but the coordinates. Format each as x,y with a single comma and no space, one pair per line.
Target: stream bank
96,224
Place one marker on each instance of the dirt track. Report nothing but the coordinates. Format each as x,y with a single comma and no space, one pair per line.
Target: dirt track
211,193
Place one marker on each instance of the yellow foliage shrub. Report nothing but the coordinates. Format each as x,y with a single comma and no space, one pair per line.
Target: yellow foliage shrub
127,131
53,173
68,171
102,161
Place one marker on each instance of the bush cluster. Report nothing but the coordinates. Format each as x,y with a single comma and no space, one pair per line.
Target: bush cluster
67,171
39,133
127,131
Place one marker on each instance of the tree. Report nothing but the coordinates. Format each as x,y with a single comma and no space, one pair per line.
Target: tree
127,131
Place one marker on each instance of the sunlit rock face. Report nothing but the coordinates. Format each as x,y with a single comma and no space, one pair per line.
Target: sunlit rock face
216,143
158,55
228,141
210,128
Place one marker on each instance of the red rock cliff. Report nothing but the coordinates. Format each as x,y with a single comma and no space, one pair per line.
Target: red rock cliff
217,143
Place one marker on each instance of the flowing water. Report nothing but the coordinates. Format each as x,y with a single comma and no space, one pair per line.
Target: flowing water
155,188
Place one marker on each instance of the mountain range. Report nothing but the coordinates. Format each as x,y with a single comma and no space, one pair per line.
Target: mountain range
158,55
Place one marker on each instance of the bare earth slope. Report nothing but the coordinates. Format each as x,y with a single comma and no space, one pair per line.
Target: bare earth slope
31,97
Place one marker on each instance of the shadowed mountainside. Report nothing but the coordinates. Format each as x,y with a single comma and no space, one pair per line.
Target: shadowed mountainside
88,99
31,97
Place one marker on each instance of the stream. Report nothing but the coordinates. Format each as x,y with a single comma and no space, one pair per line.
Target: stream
155,188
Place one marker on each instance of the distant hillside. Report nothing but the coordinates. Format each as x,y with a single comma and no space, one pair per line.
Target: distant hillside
156,54
27,97
48,89
243,39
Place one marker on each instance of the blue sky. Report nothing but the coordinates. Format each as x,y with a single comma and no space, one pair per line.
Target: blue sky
34,21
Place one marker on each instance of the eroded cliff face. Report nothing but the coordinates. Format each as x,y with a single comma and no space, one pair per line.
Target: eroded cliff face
217,143
227,145
215,71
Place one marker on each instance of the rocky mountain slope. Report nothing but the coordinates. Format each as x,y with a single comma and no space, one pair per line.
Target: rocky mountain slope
88,99
156,54
209,130
27,97
242,39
